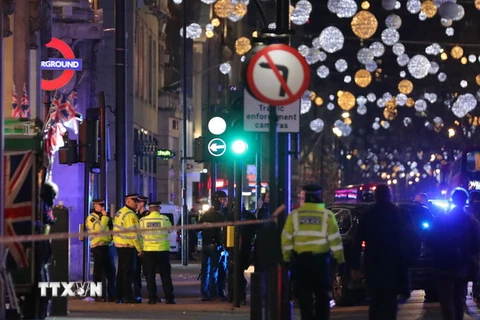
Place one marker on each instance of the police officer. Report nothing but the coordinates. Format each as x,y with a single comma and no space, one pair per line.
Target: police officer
222,202
156,253
128,246
211,249
137,278
99,221
309,236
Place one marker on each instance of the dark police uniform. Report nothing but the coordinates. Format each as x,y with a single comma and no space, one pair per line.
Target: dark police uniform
211,243
103,265
309,237
137,279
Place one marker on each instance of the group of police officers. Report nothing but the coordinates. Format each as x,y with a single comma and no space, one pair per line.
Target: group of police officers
135,249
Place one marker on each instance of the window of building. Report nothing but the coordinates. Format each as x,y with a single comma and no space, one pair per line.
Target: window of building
175,125
150,70
155,142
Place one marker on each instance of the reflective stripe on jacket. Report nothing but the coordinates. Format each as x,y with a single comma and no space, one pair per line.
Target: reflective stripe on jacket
312,228
155,240
125,219
95,224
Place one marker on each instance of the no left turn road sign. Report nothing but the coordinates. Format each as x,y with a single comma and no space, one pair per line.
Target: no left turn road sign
278,75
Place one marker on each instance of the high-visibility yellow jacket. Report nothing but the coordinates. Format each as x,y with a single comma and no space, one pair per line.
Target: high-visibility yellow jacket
155,240
126,219
312,228
96,223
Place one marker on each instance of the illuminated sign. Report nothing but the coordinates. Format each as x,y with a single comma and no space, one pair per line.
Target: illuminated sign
68,64
62,64
165,154
474,185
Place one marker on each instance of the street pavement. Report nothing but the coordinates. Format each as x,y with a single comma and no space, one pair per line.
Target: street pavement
189,306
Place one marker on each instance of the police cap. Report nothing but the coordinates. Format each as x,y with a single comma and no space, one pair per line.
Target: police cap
133,196
143,198
312,189
220,194
99,201
155,203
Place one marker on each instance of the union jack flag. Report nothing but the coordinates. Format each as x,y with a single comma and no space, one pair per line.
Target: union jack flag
25,104
66,111
15,107
19,184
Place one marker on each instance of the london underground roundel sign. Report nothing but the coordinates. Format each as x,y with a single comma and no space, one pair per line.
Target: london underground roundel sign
68,65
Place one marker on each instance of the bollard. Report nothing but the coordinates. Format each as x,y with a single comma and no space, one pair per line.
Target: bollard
256,305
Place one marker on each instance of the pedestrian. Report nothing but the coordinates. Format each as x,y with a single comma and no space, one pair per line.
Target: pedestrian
309,237
454,240
137,279
222,199
211,248
381,229
128,247
38,307
156,253
103,265
247,236
192,234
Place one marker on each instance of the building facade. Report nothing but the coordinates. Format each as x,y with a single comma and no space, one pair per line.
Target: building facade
145,21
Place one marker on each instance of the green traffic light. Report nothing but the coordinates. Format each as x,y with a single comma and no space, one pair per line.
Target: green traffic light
239,146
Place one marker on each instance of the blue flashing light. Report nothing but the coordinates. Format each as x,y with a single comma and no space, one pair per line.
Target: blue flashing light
425,225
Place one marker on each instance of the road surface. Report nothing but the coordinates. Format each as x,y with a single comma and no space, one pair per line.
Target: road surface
190,307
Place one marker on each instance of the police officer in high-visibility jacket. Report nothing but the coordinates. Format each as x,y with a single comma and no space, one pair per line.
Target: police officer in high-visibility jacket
99,221
128,245
309,237
156,253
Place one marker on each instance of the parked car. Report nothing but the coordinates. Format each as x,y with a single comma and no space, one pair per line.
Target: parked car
347,291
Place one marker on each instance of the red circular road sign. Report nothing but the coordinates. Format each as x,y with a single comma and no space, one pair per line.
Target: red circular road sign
66,75
278,75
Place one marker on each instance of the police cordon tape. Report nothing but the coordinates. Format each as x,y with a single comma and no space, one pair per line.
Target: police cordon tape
86,234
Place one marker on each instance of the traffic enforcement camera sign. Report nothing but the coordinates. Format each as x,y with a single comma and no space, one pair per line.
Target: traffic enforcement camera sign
278,75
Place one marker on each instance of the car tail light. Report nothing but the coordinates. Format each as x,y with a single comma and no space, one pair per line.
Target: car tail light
363,244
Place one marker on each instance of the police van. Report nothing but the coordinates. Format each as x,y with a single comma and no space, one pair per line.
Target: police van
173,212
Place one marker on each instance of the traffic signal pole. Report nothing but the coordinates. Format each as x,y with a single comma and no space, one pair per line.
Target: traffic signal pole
280,182
237,270
2,163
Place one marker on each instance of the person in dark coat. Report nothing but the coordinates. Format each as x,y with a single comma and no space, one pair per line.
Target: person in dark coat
211,249
454,240
247,235
380,229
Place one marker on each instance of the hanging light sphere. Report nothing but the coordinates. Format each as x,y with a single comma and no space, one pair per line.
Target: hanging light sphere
364,24
405,86
317,125
208,1
215,22
363,78
346,100
242,45
177,1
209,34
238,13
390,113
225,68
318,101
457,52
448,10
429,8
223,8
477,4
477,80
